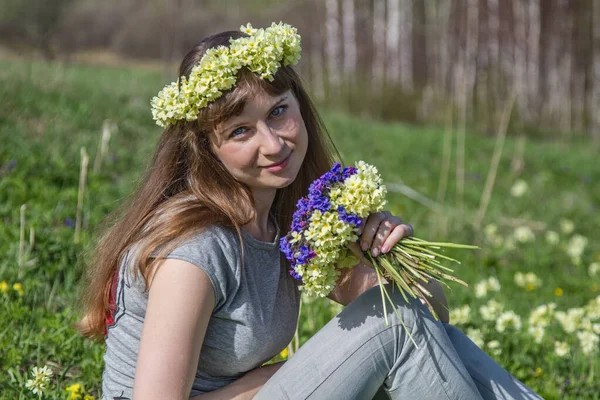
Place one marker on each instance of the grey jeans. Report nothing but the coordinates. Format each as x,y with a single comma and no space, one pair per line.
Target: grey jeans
357,356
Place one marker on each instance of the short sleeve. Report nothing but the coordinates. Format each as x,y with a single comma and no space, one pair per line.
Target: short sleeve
216,252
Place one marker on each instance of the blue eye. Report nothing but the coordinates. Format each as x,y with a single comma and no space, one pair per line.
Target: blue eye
283,108
237,131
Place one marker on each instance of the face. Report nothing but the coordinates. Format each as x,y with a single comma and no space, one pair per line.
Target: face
265,145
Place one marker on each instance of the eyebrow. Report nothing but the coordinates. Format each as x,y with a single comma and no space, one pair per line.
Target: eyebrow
227,129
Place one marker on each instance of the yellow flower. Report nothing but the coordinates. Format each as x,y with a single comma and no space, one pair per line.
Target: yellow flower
17,287
89,397
530,287
4,287
537,372
75,391
558,292
284,353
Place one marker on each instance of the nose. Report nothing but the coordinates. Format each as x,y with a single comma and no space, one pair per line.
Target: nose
271,142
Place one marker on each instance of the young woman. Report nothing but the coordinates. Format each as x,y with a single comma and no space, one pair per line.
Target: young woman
189,289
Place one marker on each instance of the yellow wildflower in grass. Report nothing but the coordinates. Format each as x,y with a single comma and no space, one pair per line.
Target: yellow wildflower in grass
538,372
284,353
89,397
75,391
17,287
41,378
558,292
4,287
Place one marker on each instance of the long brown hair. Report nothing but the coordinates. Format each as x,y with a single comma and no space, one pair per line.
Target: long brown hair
187,189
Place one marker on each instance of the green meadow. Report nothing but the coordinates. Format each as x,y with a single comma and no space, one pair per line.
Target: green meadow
538,315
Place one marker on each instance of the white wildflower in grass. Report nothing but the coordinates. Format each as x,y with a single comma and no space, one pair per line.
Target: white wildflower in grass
576,247
491,310
460,315
487,285
509,244
594,269
524,234
476,336
41,378
519,188
528,281
561,349
542,315
592,308
537,332
588,341
571,320
494,347
566,226
508,320
552,238
490,231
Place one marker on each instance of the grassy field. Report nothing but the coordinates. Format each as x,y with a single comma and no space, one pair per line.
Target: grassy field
542,220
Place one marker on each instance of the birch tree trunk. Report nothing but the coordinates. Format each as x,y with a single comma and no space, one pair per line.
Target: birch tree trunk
349,29
378,66
406,47
493,48
566,68
594,103
333,42
393,40
520,57
533,56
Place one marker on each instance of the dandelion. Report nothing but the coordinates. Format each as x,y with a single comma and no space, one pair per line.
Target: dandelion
588,341
561,349
552,238
476,336
491,311
508,319
4,287
494,347
519,188
75,391
593,269
558,292
523,234
566,226
461,315
41,378
17,287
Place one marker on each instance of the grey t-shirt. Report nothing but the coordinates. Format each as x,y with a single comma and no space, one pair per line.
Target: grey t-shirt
254,318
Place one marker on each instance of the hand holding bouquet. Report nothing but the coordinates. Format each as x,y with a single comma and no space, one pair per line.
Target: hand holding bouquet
330,218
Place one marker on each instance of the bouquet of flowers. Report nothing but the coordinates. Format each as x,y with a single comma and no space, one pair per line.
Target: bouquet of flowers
330,217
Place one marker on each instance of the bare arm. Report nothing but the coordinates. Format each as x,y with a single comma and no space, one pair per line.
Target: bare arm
180,303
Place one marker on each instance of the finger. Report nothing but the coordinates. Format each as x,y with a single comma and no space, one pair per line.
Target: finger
400,231
385,229
370,229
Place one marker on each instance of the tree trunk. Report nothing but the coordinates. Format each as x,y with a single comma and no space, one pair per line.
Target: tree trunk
333,42
349,28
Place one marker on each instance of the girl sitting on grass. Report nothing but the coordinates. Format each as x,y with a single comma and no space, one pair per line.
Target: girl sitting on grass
188,287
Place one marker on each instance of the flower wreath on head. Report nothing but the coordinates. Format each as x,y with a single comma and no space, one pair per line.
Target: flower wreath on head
263,52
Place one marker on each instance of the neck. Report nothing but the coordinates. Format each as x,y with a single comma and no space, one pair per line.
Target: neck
260,227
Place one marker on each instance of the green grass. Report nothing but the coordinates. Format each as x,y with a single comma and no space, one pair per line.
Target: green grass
49,111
